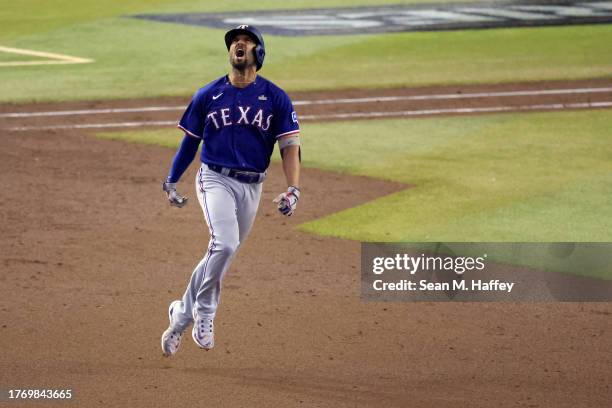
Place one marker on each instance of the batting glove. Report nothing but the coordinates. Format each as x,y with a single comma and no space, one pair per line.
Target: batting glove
287,201
174,198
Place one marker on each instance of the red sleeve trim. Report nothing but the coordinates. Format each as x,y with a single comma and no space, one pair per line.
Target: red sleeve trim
288,133
188,132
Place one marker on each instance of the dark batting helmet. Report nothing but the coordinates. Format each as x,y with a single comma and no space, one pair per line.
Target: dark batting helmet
260,48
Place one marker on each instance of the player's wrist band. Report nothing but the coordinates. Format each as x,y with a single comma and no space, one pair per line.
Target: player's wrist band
167,186
294,190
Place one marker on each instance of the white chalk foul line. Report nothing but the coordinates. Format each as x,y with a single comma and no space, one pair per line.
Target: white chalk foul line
326,101
457,96
56,58
490,109
413,113
92,111
96,125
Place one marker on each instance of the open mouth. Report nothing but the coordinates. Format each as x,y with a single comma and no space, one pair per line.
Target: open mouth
240,52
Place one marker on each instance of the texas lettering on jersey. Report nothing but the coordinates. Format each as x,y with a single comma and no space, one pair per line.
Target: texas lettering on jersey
222,117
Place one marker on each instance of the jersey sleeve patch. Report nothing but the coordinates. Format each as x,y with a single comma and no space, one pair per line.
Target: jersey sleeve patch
285,119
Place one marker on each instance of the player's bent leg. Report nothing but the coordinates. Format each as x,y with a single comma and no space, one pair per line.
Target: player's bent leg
203,293
219,257
219,207
218,202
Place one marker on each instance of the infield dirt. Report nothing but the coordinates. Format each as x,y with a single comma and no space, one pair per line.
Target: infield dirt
92,255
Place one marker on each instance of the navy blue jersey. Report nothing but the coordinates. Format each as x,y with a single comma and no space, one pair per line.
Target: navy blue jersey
239,126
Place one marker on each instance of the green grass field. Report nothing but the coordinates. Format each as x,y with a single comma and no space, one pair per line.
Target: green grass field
515,177
137,58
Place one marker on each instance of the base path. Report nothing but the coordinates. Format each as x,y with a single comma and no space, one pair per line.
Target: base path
91,255
323,106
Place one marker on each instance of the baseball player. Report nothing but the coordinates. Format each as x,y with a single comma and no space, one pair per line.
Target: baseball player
239,118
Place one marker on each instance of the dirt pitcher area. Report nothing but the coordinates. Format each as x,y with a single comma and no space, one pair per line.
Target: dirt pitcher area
92,255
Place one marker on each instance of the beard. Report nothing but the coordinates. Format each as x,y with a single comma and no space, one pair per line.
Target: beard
241,64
